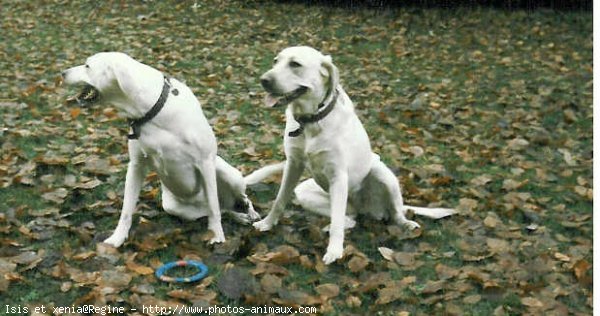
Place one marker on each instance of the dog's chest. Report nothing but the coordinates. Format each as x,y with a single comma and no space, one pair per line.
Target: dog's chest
319,162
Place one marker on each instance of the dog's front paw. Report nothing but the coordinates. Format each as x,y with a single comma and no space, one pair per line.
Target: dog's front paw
412,225
217,239
217,230
116,240
333,253
264,225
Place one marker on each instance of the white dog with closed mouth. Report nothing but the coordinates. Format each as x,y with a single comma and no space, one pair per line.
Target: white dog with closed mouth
169,134
324,135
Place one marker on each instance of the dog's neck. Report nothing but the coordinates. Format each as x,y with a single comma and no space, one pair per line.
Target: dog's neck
137,97
311,104
323,110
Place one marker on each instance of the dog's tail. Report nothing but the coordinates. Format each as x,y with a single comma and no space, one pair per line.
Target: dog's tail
264,172
435,213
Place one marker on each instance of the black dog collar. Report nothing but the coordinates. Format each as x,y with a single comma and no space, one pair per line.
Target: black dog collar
137,123
313,118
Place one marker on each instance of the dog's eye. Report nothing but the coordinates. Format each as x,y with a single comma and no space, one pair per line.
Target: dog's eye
295,64
87,66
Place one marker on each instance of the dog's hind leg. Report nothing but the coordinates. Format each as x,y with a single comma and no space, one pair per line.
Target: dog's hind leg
310,196
384,176
232,191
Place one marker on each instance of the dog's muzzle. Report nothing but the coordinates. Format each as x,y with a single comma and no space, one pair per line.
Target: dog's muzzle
86,97
276,100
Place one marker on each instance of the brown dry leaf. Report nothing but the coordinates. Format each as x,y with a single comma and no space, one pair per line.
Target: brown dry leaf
117,279
562,257
82,277
374,281
143,288
445,272
75,112
353,301
44,211
466,205
57,196
492,220
328,290
433,286
405,258
66,286
358,263
84,255
138,268
580,268
51,158
281,255
88,185
6,268
270,283
96,165
234,283
306,262
268,268
531,302
386,253
472,299
498,246
511,185
30,259
481,180
517,144
393,291
182,295
295,298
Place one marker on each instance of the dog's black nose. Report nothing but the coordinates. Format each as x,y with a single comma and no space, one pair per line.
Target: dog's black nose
63,74
266,83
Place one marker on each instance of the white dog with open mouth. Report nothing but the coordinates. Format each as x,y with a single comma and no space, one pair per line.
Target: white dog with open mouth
323,134
169,134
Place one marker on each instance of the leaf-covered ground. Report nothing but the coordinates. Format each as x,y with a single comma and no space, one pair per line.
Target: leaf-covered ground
484,110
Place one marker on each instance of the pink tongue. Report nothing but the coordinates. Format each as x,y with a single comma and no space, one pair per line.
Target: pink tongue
270,100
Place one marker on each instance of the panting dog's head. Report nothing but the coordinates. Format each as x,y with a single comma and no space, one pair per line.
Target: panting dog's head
96,77
300,74
110,77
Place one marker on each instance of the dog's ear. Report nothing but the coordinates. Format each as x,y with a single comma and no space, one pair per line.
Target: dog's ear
328,69
122,73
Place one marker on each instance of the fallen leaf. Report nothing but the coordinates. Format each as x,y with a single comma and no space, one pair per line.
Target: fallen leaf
531,302
472,299
328,290
386,253
445,272
405,258
580,268
270,283
57,196
358,263
433,286
498,245
482,180
236,282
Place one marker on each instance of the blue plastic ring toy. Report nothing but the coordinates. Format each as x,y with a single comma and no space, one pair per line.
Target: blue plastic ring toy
160,273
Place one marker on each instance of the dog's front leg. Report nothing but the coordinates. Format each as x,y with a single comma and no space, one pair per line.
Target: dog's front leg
291,174
209,174
133,185
338,190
